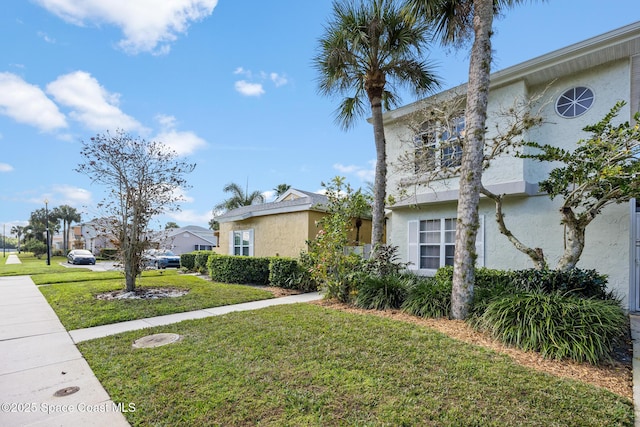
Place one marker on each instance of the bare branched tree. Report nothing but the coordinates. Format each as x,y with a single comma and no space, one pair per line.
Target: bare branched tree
142,178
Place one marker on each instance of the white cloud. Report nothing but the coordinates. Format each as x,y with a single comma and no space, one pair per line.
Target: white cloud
182,142
91,104
46,38
69,195
147,25
278,79
190,217
5,167
249,89
27,103
365,174
180,194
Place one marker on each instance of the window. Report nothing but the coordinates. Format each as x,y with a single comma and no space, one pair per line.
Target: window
439,145
436,239
241,242
203,247
574,102
431,243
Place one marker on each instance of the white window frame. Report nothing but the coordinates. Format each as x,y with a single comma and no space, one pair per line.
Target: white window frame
415,243
244,249
443,142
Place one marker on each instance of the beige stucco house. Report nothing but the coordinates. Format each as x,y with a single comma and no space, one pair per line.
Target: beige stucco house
580,84
279,228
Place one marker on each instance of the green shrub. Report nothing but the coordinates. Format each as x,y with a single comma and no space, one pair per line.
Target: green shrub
238,269
37,247
108,253
200,263
382,293
556,325
288,273
582,283
188,261
428,297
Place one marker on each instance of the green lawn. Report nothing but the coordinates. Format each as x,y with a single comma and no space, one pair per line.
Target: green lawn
305,365
76,304
33,266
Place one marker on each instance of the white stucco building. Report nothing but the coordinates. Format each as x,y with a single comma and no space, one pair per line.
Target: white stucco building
580,84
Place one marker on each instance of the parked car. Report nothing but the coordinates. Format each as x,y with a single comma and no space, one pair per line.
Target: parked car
81,256
160,258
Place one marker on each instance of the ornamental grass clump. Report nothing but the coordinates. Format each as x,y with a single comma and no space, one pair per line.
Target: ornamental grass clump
428,297
557,325
382,293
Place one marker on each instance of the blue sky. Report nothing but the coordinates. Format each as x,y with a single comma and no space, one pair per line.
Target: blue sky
228,83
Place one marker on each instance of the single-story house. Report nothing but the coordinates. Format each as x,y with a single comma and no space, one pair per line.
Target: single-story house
577,86
279,228
190,238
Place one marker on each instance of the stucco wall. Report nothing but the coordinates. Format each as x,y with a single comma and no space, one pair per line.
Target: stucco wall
610,83
284,234
536,222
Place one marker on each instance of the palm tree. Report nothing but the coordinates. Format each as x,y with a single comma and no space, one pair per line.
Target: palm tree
18,231
68,215
281,189
239,197
369,48
456,21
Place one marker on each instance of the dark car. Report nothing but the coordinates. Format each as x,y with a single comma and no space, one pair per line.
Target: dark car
159,258
81,256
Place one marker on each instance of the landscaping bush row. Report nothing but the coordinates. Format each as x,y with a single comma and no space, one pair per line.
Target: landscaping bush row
559,314
282,272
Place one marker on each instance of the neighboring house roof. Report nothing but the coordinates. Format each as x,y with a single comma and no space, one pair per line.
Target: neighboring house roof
292,200
621,43
201,232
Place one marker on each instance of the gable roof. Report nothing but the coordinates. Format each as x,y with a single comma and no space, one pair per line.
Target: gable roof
614,45
201,232
292,200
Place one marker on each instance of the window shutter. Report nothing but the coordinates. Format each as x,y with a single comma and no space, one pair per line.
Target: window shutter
480,242
412,247
251,242
231,243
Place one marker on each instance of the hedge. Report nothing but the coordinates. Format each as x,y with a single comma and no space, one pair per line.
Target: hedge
238,269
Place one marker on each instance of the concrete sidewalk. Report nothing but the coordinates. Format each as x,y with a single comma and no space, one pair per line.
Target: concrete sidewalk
40,367
80,335
13,259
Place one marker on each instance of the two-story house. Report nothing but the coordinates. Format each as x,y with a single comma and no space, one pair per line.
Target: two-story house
576,86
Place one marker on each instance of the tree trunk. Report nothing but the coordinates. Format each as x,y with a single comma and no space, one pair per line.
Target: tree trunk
377,232
574,235
472,155
536,254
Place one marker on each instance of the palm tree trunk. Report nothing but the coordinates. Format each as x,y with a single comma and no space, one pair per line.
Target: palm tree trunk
377,231
472,154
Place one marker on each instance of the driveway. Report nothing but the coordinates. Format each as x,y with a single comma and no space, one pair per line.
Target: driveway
100,266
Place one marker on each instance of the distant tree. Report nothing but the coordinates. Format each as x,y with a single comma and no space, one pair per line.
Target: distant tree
38,221
369,47
214,225
239,198
68,215
142,177
281,189
18,231
171,225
